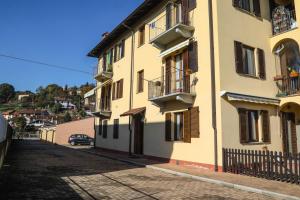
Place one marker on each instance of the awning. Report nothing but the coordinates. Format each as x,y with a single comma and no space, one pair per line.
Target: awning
134,111
175,48
248,98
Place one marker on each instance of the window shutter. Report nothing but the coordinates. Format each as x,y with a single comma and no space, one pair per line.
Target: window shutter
195,133
121,88
186,76
236,3
123,49
262,64
193,57
266,126
192,4
114,91
100,127
115,53
187,126
283,117
238,57
168,124
243,125
185,11
256,5
105,129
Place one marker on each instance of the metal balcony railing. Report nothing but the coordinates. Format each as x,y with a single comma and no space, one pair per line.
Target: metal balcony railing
98,70
288,85
166,86
283,20
168,21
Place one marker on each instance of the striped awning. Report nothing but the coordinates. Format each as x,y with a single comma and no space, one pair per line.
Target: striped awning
251,99
175,48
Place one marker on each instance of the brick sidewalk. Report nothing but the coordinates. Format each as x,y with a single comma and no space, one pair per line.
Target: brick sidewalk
253,182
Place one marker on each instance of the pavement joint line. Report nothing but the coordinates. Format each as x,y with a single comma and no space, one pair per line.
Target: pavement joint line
200,178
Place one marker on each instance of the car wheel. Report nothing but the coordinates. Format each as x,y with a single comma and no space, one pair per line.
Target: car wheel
73,143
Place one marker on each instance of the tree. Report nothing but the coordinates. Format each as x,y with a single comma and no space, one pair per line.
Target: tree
67,117
20,123
7,92
56,108
82,113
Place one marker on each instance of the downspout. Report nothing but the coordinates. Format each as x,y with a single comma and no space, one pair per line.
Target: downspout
213,83
131,86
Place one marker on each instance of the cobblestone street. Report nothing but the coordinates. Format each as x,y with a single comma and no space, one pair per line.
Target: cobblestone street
35,170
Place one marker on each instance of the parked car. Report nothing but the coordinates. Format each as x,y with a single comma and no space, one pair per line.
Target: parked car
81,139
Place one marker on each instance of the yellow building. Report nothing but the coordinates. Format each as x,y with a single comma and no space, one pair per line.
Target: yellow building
181,80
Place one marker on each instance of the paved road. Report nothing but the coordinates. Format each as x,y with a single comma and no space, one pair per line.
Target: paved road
35,170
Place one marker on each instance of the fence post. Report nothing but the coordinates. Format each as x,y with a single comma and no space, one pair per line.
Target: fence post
276,164
296,168
291,167
268,165
224,159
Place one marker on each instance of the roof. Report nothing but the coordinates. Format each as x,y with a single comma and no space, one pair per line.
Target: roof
133,18
134,111
252,99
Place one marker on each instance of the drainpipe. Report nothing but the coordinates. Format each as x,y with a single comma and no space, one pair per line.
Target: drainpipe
213,83
131,85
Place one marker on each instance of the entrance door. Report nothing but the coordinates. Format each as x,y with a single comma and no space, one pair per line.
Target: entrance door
138,134
289,135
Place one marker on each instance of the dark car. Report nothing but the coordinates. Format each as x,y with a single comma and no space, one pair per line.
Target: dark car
81,139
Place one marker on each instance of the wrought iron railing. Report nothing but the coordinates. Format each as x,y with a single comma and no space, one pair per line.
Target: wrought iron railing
288,85
166,22
164,86
283,20
100,69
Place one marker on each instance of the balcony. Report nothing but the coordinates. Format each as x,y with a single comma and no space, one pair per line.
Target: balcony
171,27
288,86
162,91
103,112
283,20
103,74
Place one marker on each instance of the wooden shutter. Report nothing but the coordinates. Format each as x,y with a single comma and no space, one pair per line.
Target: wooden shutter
185,12
195,133
262,64
266,126
168,16
100,127
168,75
193,57
121,88
236,3
111,56
187,126
294,133
168,127
186,71
115,53
239,57
284,131
123,49
114,91
256,5
192,4
243,125
104,129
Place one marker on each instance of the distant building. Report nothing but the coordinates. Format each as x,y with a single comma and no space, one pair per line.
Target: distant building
21,96
65,103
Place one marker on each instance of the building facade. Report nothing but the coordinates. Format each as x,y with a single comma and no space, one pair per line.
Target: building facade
181,80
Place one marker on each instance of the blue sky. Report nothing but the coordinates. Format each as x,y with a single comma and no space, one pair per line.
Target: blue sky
59,32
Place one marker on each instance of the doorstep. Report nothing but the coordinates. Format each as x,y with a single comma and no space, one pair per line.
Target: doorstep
271,188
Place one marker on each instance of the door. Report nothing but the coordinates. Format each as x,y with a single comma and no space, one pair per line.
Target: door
289,136
138,134
178,73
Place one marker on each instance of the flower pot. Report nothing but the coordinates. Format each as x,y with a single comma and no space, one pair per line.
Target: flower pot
294,74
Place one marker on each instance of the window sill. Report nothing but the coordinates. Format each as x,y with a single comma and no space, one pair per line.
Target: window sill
250,76
256,143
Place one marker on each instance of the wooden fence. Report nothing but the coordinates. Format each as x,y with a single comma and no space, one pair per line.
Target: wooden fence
264,164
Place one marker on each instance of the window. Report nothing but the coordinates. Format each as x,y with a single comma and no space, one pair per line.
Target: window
254,126
100,128
141,35
140,81
116,129
104,129
245,60
251,6
119,51
117,89
182,126
178,126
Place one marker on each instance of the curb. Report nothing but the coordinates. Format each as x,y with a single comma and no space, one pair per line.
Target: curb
203,179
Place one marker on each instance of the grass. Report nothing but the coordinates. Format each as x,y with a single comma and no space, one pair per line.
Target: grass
10,106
